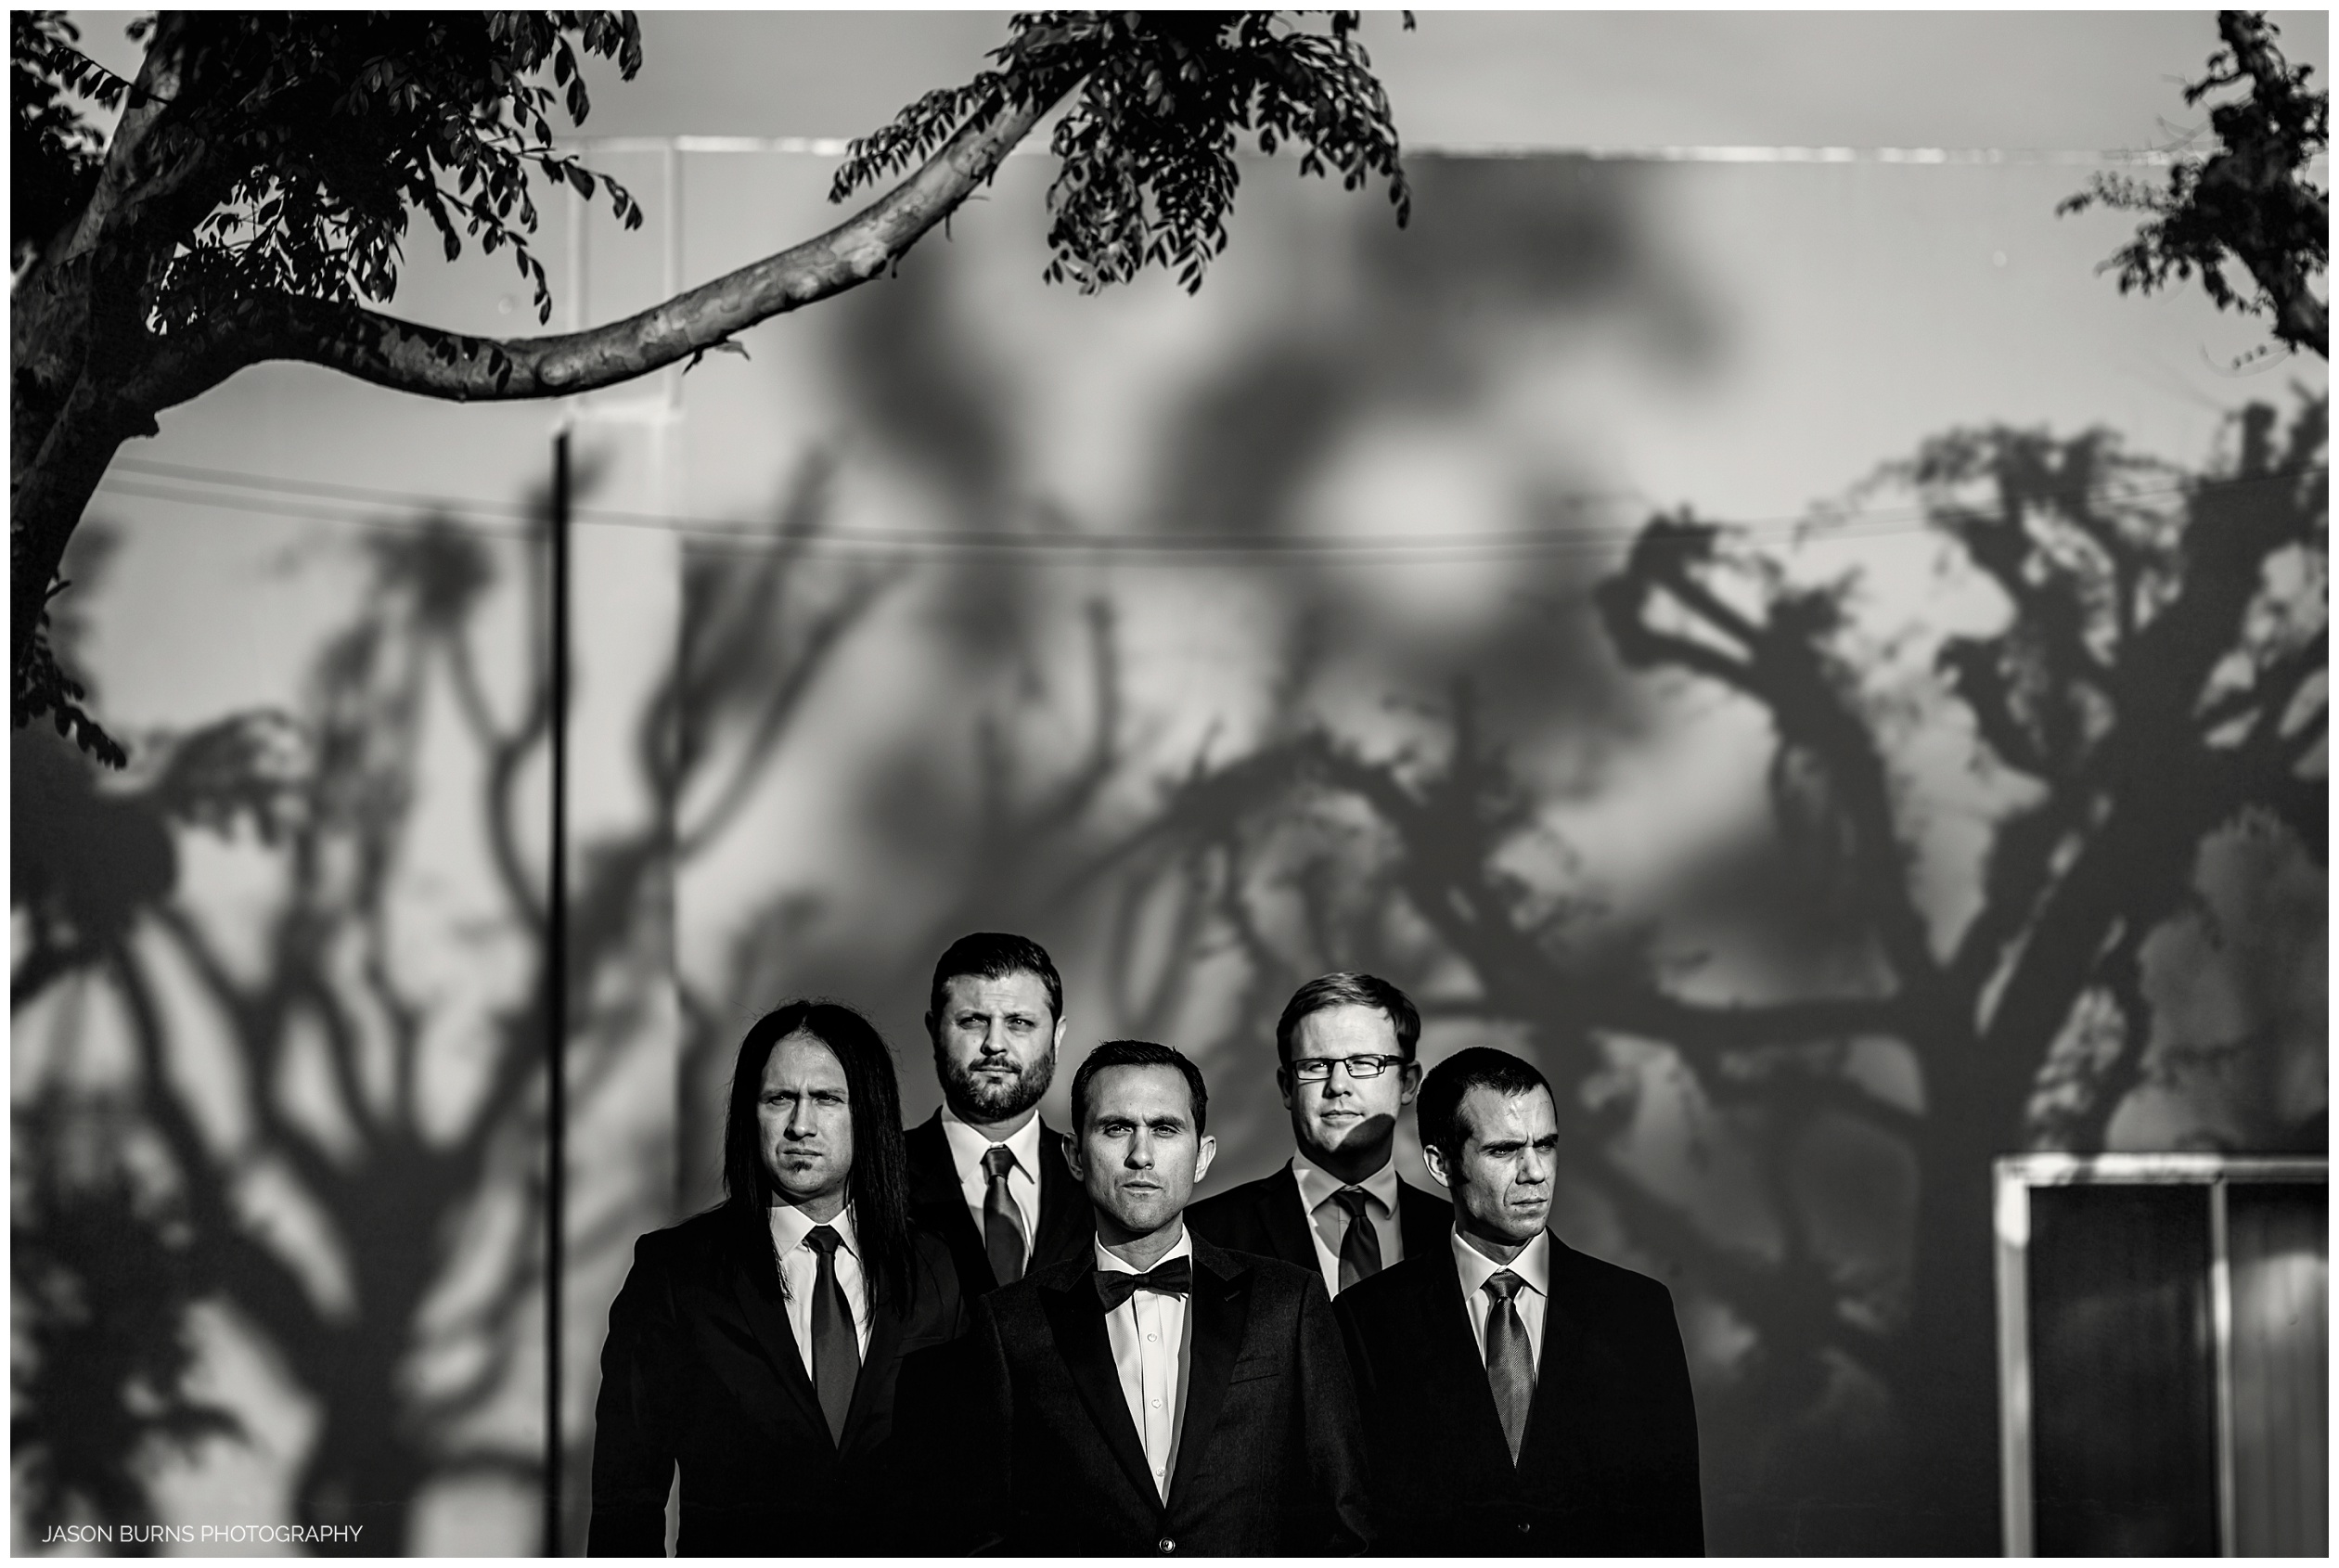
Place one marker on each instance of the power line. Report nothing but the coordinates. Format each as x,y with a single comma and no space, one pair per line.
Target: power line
358,505
940,546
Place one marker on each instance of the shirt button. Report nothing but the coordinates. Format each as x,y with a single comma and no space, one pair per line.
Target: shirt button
1524,1527
1151,1339
1157,1404
1166,1545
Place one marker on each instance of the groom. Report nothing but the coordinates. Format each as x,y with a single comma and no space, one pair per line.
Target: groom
1160,1395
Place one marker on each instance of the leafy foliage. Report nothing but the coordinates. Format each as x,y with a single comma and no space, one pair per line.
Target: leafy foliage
2249,202
331,127
312,136
54,151
1148,146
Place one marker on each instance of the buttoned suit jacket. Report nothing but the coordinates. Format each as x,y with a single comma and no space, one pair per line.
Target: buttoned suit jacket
1269,1457
937,1202
701,1370
1266,1217
1608,1461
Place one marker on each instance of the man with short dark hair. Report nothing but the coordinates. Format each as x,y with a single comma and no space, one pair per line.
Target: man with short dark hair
1344,1063
1159,1396
1552,1414
985,1174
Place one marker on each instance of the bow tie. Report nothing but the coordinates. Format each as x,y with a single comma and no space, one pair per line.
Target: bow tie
1174,1278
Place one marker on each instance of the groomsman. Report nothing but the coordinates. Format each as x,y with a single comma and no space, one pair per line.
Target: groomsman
756,1349
1160,1395
1519,1398
986,1173
1344,1066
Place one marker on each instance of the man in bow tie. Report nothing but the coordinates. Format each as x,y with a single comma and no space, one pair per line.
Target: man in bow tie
1161,1396
1520,1397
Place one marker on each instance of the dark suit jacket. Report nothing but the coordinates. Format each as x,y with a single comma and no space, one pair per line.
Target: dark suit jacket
701,1370
1067,1224
1265,1216
1609,1464
1269,1460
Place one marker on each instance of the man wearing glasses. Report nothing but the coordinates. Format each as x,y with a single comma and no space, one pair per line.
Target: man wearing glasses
1344,1049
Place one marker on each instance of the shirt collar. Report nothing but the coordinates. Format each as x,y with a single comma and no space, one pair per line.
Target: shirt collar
1316,1188
1112,1262
966,1146
1532,1264
789,1227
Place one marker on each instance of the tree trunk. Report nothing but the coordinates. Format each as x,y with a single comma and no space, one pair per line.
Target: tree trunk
1949,1375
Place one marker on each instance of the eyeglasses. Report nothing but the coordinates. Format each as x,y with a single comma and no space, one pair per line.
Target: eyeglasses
1317,1069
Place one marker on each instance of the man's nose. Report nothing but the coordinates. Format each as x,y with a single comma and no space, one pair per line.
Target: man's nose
1141,1150
1535,1167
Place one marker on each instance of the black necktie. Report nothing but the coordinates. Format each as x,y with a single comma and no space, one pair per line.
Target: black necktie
1174,1278
1509,1364
1360,1248
836,1349
1002,1222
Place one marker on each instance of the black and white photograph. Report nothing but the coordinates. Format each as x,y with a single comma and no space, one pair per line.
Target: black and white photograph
1446,783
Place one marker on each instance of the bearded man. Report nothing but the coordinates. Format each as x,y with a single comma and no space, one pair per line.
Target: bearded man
985,1174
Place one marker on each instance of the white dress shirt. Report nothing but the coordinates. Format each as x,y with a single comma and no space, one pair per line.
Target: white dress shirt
967,1149
1328,1221
800,1270
1149,1351
1532,1264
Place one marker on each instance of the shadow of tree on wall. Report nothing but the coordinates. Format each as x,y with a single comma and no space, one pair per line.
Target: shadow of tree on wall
2157,687
403,1295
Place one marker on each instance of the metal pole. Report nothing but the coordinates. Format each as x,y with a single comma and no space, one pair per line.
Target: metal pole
556,983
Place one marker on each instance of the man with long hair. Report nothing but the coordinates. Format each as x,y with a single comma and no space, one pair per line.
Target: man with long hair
986,1173
756,1346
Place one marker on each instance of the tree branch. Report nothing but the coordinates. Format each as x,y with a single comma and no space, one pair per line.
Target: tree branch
407,356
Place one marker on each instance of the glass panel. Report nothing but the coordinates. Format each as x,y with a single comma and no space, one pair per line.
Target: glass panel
2124,1461
2278,1240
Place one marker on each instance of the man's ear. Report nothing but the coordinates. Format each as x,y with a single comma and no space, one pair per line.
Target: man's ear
1434,1159
1283,1084
1409,1082
1204,1152
1072,1162
1057,1043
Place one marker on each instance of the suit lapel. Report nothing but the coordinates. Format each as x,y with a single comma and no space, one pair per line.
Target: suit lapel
1560,1375
1217,1311
1449,1351
1284,1216
1425,1220
941,1203
767,1318
887,1325
1063,1206
1077,1318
